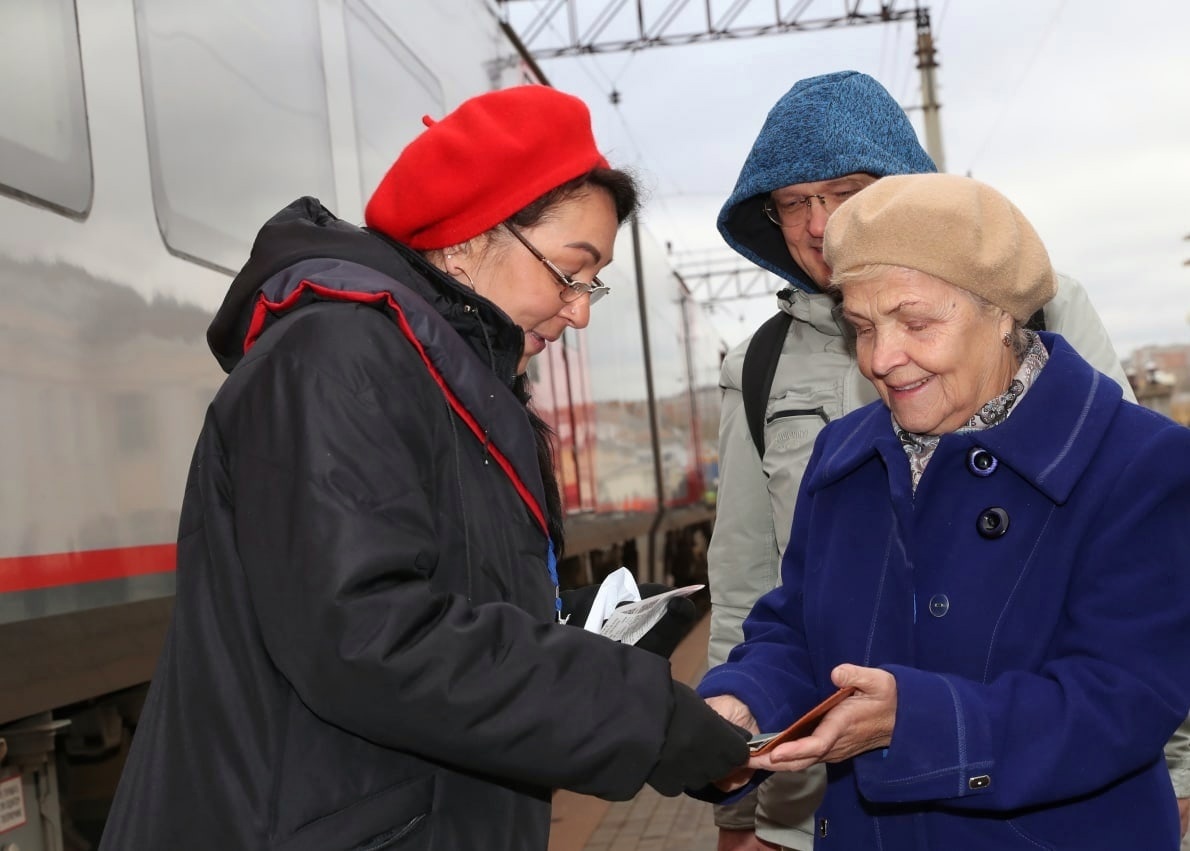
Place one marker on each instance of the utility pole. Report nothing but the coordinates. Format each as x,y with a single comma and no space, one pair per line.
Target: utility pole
926,63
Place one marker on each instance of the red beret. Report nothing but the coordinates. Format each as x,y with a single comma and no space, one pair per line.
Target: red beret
490,158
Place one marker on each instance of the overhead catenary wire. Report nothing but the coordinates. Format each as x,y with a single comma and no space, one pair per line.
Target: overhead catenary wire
610,86
1027,69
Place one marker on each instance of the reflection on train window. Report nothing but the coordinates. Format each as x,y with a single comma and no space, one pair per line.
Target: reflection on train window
391,89
235,102
45,153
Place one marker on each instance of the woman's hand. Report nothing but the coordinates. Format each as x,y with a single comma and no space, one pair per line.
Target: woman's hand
736,711
861,723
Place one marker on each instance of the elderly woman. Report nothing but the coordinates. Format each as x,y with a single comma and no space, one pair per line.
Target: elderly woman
993,557
365,652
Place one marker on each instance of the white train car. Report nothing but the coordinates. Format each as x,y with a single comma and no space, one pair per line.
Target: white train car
143,142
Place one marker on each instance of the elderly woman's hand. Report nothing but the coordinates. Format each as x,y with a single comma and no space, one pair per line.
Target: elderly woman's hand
734,710
862,722
737,712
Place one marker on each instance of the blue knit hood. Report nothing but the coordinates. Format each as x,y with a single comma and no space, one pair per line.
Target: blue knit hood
823,128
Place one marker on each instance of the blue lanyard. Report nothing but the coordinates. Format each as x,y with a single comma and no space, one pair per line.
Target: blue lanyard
552,563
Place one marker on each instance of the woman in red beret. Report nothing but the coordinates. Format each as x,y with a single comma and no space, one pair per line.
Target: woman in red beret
365,650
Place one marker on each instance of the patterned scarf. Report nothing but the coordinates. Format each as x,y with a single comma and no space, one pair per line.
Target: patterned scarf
920,447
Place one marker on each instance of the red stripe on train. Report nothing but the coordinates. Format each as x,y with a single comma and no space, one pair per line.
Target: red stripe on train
28,573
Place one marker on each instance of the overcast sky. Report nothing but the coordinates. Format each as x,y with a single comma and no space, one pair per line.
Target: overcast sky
1078,110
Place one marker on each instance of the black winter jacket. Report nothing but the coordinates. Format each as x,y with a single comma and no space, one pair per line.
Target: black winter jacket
362,654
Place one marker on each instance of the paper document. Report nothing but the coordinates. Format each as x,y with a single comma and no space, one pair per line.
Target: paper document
618,587
619,613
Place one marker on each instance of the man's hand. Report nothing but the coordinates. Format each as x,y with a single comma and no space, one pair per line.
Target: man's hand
743,840
1184,812
861,723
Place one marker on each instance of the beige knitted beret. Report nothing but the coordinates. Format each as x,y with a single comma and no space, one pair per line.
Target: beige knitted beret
954,228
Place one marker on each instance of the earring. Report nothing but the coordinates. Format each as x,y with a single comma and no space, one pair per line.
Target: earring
1007,338
463,272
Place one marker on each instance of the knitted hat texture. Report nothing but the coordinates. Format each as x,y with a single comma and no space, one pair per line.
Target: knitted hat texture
824,127
489,159
954,228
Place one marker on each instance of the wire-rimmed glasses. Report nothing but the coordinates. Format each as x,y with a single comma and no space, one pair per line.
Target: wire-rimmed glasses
572,290
793,211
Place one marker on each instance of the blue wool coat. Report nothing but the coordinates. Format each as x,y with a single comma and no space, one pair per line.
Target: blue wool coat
1041,661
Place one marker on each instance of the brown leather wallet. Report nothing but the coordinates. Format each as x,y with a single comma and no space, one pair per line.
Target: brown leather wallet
762,743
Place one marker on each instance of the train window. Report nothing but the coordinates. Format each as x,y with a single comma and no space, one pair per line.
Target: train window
391,90
45,153
235,104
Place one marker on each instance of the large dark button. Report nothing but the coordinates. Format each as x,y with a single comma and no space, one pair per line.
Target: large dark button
939,605
992,523
981,462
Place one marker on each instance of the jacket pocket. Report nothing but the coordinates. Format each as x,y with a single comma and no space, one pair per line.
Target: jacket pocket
792,428
376,823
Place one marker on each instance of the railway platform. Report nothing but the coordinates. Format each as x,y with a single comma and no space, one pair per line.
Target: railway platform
649,822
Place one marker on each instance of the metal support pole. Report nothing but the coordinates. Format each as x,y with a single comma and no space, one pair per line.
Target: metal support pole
929,99
654,423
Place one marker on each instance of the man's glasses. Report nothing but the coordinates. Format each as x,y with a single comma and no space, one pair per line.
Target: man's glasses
572,290
794,211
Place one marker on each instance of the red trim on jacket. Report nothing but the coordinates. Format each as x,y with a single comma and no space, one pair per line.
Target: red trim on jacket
264,308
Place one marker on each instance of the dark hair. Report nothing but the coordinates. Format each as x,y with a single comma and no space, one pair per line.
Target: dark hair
543,438
623,189
620,184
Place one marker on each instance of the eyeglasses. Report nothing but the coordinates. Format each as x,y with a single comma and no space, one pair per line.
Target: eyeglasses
794,211
572,290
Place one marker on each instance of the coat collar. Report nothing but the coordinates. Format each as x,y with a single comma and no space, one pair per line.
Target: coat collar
305,254
305,231
1049,440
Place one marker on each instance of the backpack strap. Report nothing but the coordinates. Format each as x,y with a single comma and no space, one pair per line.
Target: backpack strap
760,366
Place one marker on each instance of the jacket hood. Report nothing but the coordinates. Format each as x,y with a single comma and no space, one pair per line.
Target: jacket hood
824,127
306,230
